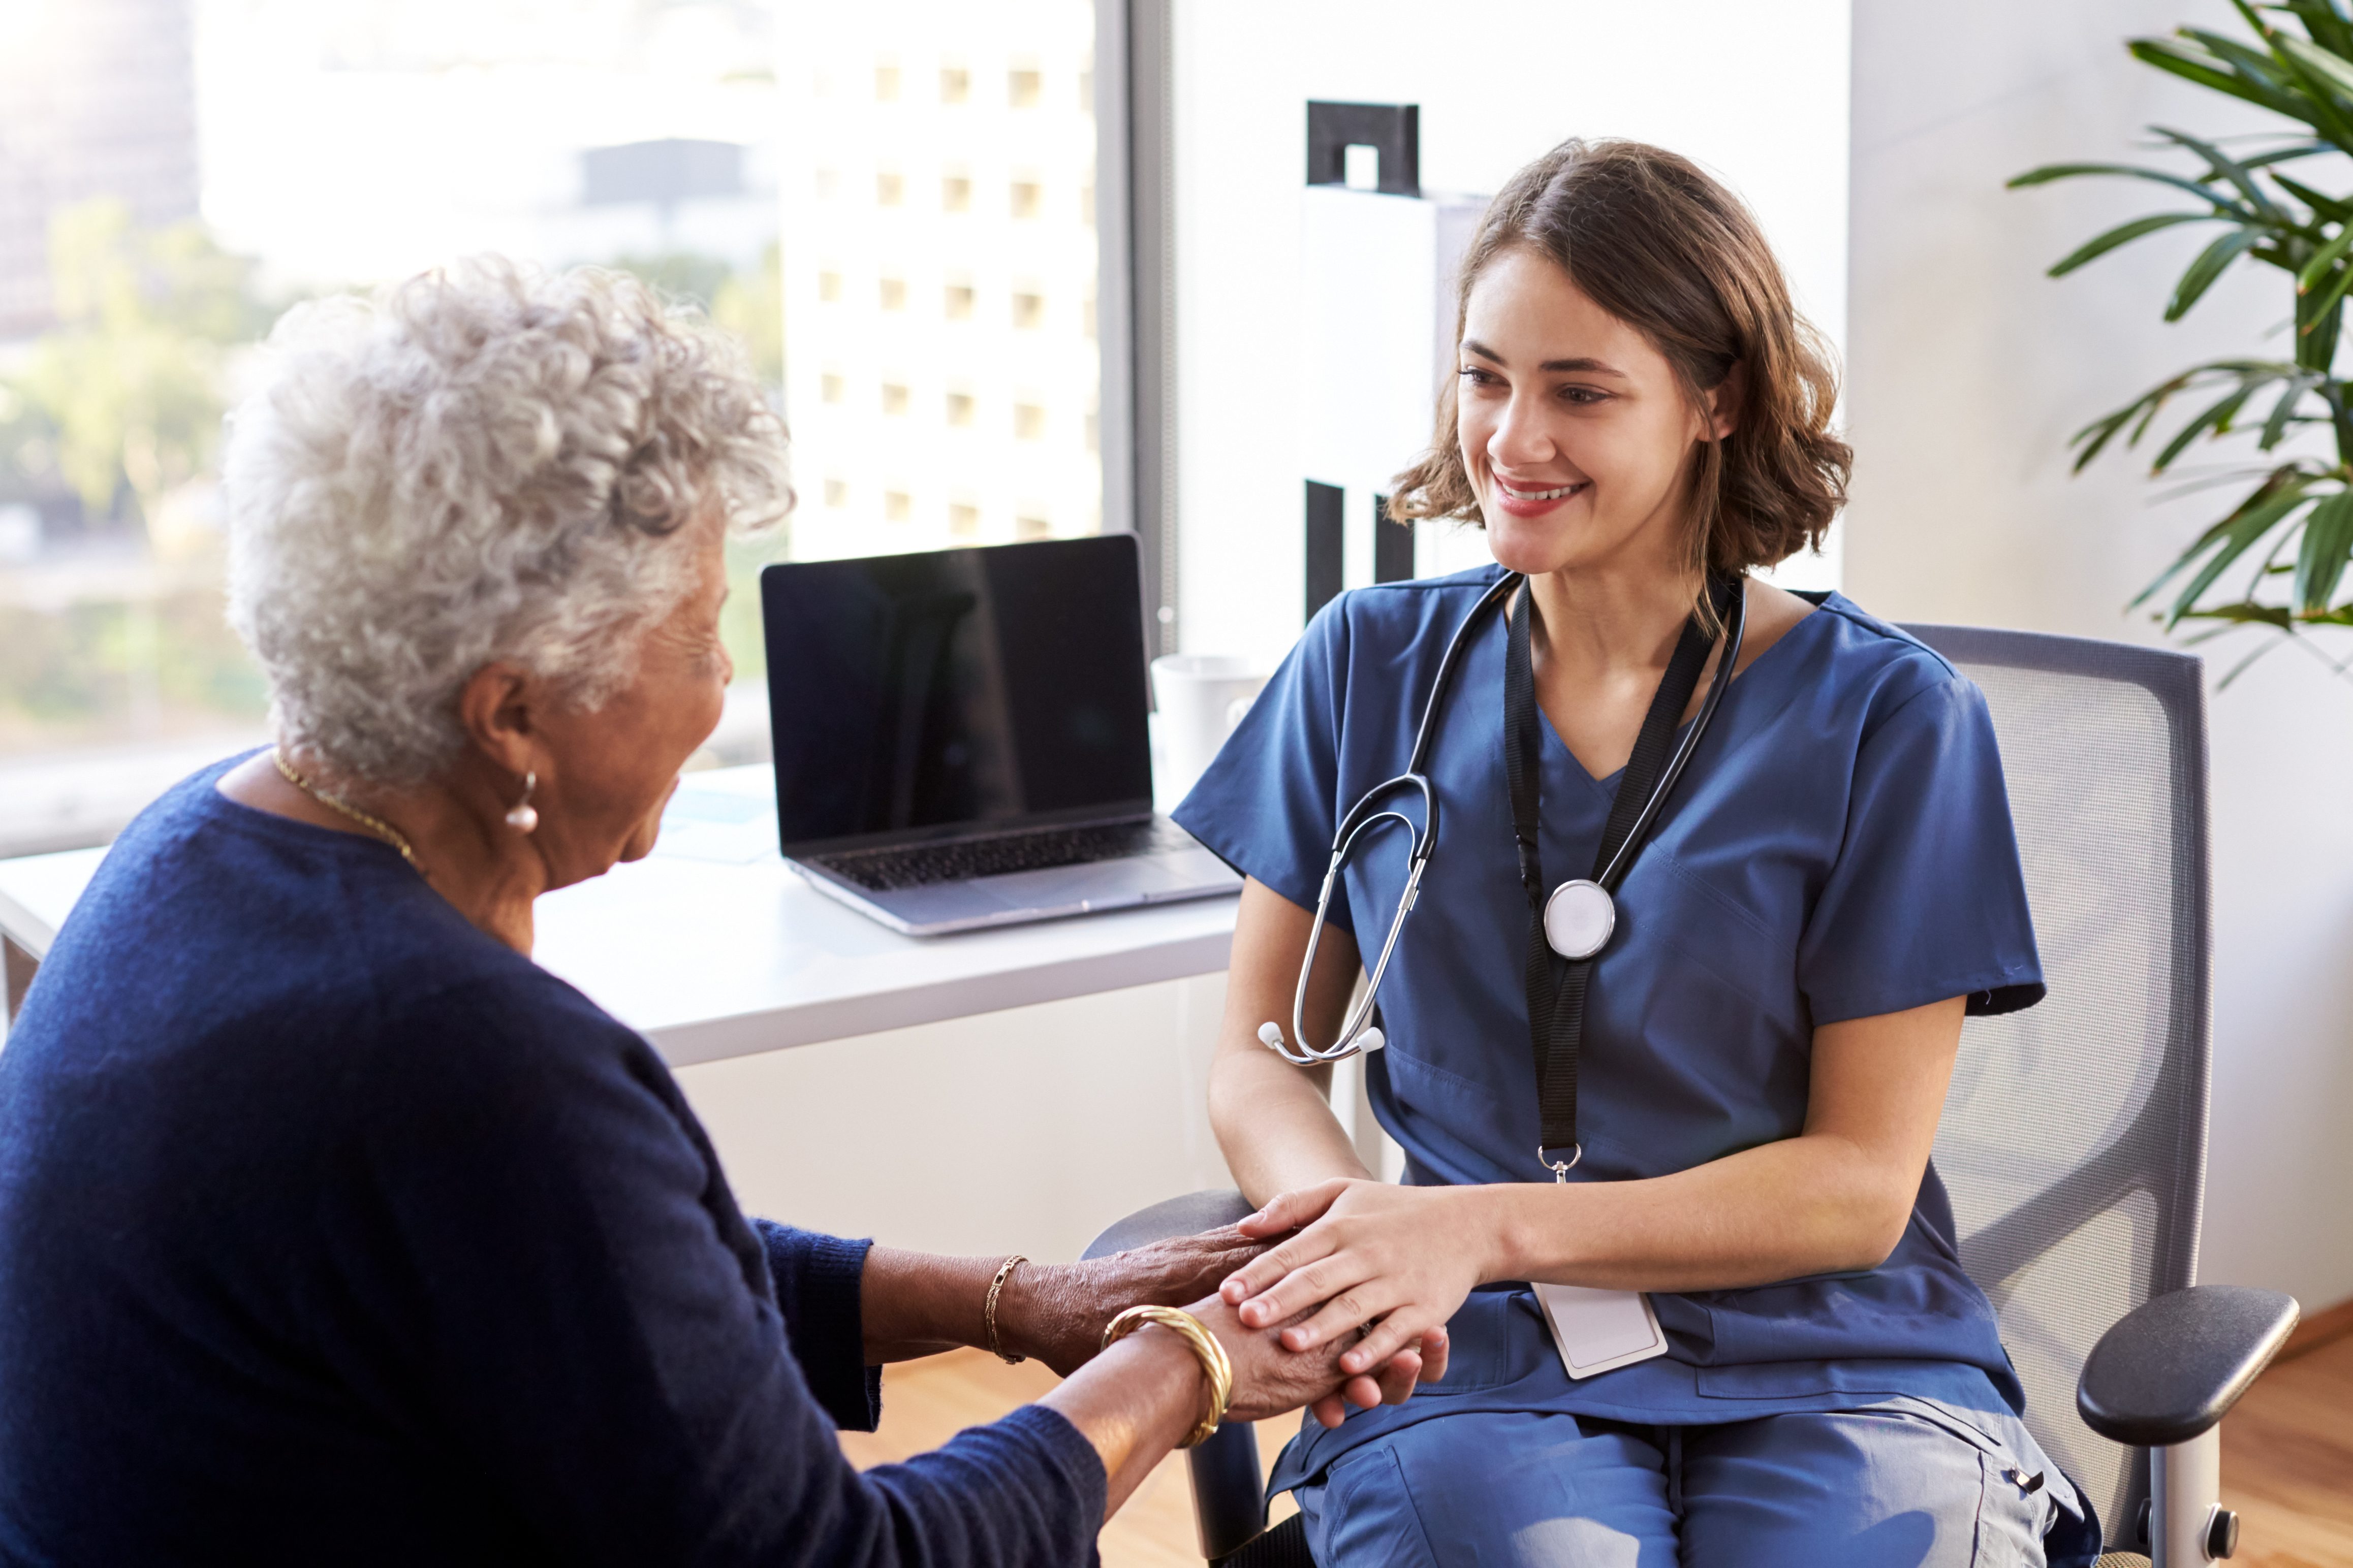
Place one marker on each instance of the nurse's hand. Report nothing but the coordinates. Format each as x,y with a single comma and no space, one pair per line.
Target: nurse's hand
1394,1262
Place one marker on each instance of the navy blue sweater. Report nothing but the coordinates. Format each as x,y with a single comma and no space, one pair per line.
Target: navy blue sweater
332,1230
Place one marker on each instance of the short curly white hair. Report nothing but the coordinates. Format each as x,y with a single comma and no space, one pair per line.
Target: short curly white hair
485,462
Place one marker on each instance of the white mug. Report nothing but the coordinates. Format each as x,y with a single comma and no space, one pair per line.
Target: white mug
1201,697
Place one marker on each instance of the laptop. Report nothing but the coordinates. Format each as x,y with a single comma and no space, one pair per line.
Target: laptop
961,736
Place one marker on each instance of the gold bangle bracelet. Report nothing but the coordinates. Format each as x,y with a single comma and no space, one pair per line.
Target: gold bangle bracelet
1215,1364
988,1311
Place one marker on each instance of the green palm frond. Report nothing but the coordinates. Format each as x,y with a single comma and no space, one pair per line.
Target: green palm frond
2292,534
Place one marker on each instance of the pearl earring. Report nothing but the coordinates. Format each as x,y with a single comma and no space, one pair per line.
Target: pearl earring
525,817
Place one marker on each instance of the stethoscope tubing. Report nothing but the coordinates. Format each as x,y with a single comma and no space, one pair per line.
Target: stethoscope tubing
1361,817
1356,1031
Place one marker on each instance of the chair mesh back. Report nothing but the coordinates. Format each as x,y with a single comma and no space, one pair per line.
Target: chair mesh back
2073,1141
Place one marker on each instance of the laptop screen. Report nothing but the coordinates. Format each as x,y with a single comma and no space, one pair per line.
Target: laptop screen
956,688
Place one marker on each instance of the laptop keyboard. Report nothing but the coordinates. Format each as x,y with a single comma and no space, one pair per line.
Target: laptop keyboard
1039,849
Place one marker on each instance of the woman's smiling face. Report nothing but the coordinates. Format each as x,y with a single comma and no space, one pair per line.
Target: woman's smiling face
1577,438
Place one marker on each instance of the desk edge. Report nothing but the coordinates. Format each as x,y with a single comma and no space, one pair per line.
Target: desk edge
25,929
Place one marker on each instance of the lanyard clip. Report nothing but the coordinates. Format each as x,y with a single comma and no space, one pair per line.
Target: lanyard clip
1530,866
1560,1168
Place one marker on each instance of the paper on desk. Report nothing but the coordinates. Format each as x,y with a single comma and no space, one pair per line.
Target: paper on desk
735,827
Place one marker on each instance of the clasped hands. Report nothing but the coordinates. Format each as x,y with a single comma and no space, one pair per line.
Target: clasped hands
1295,1286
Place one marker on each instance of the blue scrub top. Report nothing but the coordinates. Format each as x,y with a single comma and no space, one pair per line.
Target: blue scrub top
1839,846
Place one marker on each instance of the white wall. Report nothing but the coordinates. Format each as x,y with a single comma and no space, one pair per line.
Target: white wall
1968,370
1756,93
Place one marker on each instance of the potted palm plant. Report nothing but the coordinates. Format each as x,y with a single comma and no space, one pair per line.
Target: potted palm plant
2277,559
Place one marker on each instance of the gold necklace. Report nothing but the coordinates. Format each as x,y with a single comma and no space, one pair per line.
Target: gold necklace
376,825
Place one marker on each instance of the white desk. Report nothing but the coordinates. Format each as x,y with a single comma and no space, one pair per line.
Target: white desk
714,950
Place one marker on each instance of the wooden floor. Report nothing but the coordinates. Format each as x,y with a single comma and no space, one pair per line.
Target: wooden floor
2287,1456
2287,1462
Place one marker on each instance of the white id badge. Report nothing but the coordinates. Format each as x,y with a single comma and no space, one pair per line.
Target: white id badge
1598,1330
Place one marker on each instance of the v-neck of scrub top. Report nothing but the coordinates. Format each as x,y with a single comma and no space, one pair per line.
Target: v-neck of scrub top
1550,739
1838,847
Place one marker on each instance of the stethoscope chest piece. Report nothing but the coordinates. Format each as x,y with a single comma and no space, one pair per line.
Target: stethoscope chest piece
1579,919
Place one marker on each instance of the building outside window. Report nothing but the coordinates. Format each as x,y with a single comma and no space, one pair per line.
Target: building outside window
983,302
903,236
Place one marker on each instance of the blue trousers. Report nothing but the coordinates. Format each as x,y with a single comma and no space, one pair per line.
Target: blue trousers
1871,1488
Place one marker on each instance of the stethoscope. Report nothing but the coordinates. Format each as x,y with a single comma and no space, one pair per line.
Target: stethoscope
1579,915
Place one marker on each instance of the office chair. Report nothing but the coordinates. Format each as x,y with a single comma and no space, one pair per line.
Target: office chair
2073,1140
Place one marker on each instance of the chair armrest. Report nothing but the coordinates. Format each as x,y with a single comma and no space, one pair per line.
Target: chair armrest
2173,1367
1188,1216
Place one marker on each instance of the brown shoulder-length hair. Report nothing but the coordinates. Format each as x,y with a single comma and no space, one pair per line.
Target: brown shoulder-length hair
1651,239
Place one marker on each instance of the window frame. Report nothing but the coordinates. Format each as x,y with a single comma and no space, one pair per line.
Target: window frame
1135,298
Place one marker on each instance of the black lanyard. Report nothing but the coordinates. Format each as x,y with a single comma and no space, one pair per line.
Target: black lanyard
1556,986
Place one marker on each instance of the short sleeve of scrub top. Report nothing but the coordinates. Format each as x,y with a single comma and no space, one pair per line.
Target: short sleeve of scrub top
1840,846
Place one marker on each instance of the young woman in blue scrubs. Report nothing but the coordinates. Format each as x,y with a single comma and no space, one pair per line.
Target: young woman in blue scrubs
1768,1035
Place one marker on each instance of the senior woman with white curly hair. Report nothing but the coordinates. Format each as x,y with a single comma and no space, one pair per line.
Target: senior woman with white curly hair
331,1229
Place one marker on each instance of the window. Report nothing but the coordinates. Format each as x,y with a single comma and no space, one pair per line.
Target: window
834,392
828,183
898,506
886,84
837,493
980,294
888,188
828,287
894,398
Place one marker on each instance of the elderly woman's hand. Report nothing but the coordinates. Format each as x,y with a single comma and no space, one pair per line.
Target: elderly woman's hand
1057,1312
1270,1379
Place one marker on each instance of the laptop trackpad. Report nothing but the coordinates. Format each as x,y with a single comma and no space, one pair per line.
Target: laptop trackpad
1133,878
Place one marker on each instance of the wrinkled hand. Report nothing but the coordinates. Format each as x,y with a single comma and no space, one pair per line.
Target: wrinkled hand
1270,1379
1392,1263
1057,1312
